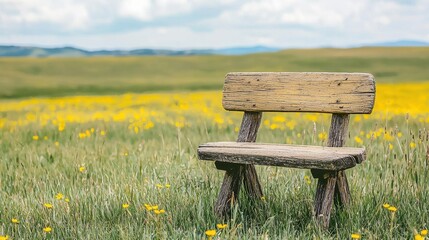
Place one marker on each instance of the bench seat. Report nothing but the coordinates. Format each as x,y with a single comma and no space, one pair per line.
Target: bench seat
284,155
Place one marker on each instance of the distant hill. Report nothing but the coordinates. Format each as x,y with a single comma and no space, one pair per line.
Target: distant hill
21,51
400,43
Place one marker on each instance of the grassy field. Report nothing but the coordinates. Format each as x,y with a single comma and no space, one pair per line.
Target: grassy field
96,166
22,77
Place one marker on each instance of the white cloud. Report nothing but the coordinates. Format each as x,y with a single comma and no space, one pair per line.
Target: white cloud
20,13
174,23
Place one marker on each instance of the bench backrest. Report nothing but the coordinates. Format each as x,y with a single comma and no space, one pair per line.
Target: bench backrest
299,92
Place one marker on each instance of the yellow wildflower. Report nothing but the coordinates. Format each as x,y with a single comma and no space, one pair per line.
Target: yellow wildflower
45,137
4,237
386,205
392,209
61,127
211,233
355,236
67,200
357,118
412,145
387,137
307,179
221,226
159,186
358,140
102,133
59,196
418,237
125,205
57,144
148,207
155,207
399,134
179,124
424,232
156,211
47,229
48,205
82,169
323,136
390,146
15,220
35,137
167,185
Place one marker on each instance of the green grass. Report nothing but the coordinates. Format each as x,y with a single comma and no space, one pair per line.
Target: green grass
33,172
23,77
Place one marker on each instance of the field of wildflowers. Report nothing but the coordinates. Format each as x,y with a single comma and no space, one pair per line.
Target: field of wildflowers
125,167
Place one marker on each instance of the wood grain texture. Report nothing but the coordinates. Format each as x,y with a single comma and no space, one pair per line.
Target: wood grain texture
323,200
337,138
295,156
299,92
238,173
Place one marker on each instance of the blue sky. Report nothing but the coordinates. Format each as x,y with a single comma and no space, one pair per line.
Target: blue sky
196,24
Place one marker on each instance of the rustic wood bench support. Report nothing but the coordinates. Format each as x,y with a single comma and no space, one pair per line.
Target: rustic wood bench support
332,184
236,173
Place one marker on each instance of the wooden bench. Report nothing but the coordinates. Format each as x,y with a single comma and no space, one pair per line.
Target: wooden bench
338,93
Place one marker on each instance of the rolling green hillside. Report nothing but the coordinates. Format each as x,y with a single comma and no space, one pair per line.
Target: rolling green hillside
24,77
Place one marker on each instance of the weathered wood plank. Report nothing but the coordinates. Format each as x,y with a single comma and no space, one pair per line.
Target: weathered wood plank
295,156
236,173
299,92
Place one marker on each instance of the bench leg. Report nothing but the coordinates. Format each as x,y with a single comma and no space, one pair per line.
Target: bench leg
251,183
229,191
324,199
342,192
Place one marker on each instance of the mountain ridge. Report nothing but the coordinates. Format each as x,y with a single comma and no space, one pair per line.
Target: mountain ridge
67,51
